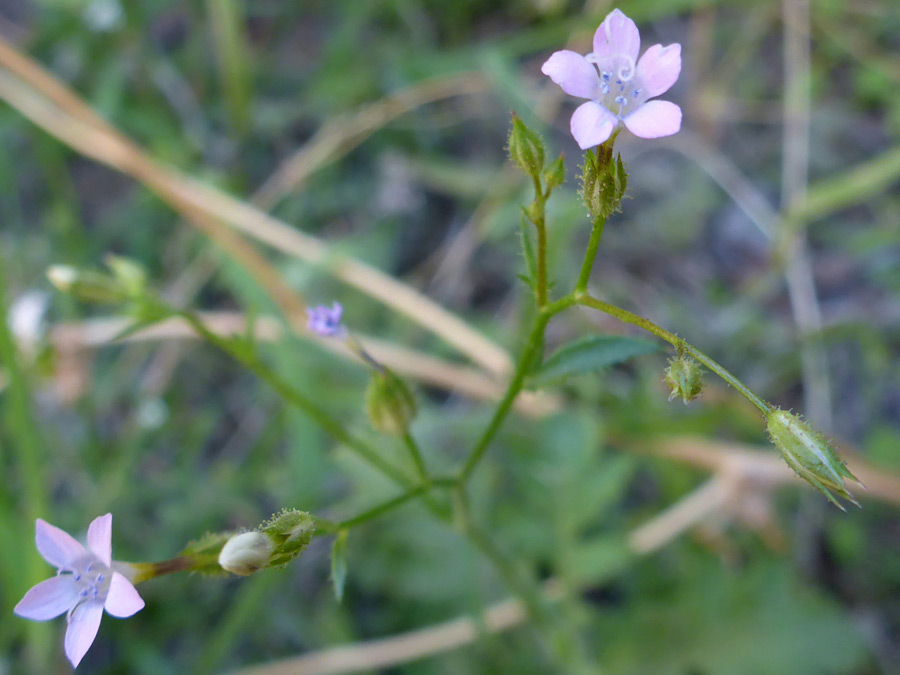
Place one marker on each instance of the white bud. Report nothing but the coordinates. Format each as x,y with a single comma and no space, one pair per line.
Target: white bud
62,276
246,553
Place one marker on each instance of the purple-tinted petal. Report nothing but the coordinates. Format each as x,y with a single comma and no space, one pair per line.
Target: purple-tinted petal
100,538
573,73
58,548
123,599
659,68
83,626
48,599
591,124
617,36
654,119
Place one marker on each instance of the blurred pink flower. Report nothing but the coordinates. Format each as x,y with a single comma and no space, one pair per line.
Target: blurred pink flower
618,85
83,587
325,321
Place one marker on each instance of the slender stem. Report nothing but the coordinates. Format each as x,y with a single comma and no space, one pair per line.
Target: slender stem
539,203
321,417
679,344
590,254
416,453
532,345
392,504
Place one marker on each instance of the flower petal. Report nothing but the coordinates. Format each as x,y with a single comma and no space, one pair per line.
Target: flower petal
654,119
83,626
59,548
591,124
48,599
573,73
659,68
122,600
617,36
100,538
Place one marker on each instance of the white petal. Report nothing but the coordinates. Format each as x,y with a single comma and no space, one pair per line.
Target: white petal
591,124
48,599
83,626
617,36
122,600
659,68
573,73
100,538
59,548
655,119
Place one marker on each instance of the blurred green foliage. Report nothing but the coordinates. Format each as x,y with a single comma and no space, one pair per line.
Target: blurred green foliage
176,440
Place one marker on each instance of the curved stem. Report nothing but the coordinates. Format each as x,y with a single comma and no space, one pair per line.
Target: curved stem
679,344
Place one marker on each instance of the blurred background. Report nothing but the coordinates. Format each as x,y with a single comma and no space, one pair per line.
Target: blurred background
766,232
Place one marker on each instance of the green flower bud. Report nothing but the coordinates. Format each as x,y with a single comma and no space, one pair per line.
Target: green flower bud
129,274
526,149
389,403
87,286
810,456
246,553
555,174
604,181
291,530
685,376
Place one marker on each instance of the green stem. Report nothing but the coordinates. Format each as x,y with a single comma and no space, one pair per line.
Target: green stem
416,455
679,344
320,416
590,255
539,203
391,504
532,345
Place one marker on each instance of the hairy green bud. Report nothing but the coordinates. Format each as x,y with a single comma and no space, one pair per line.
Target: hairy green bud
555,173
604,181
810,456
526,149
390,404
685,376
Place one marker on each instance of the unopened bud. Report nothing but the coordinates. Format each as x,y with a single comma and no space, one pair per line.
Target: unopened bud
389,403
555,174
810,456
526,149
685,376
62,276
246,553
87,286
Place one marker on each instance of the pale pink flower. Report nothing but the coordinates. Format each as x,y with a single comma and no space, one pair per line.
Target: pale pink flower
618,85
85,584
325,321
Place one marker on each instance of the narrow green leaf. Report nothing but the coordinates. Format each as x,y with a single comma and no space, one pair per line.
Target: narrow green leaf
339,564
590,354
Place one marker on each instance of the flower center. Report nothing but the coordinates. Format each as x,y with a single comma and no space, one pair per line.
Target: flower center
91,578
620,91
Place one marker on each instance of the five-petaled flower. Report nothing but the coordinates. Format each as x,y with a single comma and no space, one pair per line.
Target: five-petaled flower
325,321
85,584
617,84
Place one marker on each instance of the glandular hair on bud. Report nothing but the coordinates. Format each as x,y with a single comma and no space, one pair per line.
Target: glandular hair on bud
390,404
604,181
246,553
810,456
685,376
